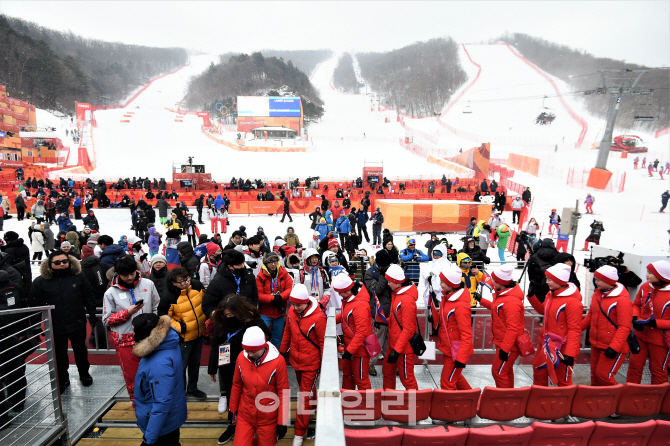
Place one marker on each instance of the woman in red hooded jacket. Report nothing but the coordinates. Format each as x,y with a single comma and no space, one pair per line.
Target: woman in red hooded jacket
562,310
455,329
651,320
610,318
274,286
356,323
507,320
402,326
304,335
259,370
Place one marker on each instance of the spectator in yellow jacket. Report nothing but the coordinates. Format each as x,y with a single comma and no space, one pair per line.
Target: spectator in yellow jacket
471,275
183,303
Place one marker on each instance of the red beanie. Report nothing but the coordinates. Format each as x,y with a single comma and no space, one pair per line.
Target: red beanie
333,242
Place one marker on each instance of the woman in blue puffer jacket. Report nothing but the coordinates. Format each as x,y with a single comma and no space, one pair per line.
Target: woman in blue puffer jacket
160,401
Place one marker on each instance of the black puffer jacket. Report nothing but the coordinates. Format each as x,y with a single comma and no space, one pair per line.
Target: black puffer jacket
96,273
15,275
375,282
18,255
538,263
188,258
224,284
220,336
68,291
160,280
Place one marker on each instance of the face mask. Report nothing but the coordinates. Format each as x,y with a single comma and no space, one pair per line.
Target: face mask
238,272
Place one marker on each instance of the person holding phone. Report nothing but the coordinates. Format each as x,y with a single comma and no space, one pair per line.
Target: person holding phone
128,296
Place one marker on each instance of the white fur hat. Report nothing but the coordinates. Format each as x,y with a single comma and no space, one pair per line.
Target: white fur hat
254,339
395,274
559,273
299,294
607,274
342,282
660,269
452,276
503,275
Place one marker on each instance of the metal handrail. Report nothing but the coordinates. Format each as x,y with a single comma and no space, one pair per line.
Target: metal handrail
329,419
52,430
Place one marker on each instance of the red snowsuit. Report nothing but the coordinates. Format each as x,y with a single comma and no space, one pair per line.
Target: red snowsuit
562,310
304,334
356,326
455,325
617,305
403,313
651,302
268,287
253,378
507,320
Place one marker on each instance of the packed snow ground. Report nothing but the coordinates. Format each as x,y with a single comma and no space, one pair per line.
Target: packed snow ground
630,218
338,149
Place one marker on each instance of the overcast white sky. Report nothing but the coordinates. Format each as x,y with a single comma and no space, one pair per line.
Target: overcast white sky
635,31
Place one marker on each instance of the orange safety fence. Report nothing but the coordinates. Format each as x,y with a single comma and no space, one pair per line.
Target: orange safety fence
524,163
579,178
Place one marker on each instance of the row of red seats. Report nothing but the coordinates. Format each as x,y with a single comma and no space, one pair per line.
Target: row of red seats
538,402
649,433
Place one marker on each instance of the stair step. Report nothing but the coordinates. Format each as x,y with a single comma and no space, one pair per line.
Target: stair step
184,442
186,433
205,411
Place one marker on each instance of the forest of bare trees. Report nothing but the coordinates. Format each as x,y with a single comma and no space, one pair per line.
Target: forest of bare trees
344,76
255,75
53,70
420,78
562,62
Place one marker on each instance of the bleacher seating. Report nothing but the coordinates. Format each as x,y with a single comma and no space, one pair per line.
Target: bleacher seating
357,407
436,436
611,434
503,404
546,434
592,402
550,403
648,433
420,408
453,406
639,400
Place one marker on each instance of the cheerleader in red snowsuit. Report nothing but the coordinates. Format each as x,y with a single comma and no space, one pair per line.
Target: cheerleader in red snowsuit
356,326
304,334
402,326
507,321
562,310
651,319
610,318
455,329
260,369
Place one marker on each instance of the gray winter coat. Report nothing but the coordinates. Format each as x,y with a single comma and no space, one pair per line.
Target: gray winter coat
49,241
163,207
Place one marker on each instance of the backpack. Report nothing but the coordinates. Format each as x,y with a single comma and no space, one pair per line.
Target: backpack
471,230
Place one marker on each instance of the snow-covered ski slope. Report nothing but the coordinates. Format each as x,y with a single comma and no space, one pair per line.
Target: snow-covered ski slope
152,140
497,81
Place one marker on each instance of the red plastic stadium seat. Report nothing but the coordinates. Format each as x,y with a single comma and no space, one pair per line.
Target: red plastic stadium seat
420,408
661,435
610,434
546,434
454,405
640,400
373,437
436,436
550,403
359,405
508,436
594,402
665,406
503,404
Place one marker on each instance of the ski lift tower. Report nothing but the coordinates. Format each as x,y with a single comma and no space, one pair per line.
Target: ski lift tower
616,83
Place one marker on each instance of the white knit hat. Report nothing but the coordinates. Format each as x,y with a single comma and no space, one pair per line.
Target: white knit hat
342,283
660,269
559,273
395,274
608,274
299,294
254,339
452,276
503,275
279,242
